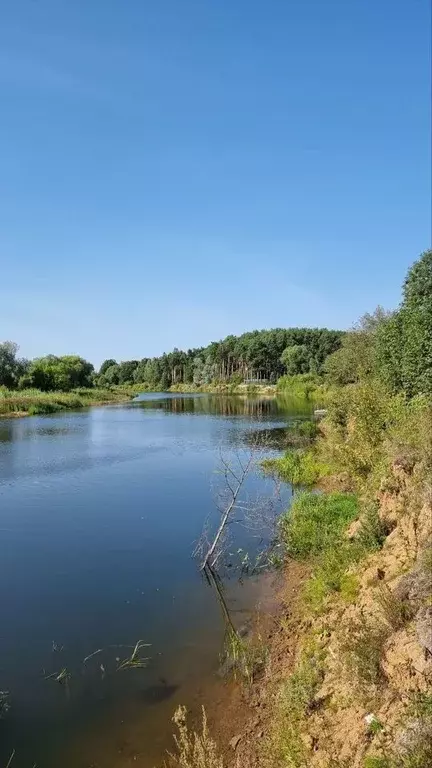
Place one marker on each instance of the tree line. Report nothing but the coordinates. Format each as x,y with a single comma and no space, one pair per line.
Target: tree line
257,355
396,346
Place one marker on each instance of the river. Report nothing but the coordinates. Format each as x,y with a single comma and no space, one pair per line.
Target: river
99,512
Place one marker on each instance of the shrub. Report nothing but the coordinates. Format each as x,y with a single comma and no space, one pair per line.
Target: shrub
396,611
373,532
315,522
363,649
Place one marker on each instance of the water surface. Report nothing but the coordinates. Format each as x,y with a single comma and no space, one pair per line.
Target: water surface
99,512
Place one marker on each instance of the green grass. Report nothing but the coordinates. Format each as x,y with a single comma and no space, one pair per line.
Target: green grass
377,762
329,577
34,402
315,522
297,467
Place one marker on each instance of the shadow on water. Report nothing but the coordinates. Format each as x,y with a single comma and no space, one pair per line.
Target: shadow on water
155,694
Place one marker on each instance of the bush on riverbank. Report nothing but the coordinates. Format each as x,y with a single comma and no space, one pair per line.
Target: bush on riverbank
307,386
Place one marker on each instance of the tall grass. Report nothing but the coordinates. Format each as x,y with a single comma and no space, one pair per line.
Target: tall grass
34,402
315,522
194,749
297,467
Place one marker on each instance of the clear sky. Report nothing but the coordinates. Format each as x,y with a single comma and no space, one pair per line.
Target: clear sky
172,171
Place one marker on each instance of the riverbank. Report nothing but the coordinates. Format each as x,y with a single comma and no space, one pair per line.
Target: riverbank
347,681
33,402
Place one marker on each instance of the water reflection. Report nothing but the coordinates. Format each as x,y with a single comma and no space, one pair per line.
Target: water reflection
98,518
260,408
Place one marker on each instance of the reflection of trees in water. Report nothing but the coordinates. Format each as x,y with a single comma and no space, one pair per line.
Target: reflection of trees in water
224,405
214,404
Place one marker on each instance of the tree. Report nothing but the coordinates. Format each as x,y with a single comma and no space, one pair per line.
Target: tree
139,372
404,343
126,371
417,289
356,359
58,373
105,365
296,359
111,375
11,367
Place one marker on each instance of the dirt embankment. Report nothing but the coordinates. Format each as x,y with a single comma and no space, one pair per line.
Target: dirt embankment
356,679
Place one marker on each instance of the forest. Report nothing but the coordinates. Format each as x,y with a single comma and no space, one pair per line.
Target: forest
396,346
257,355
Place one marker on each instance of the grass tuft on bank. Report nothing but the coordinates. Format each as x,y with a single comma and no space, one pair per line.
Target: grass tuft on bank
33,402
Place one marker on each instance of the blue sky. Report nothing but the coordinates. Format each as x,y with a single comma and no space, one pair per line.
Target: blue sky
172,172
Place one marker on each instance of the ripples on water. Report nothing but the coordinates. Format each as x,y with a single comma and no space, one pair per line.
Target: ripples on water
99,512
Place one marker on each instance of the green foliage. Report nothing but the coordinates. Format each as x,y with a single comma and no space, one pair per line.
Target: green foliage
247,656
421,705
126,371
253,356
330,576
307,386
296,359
404,343
373,531
315,522
367,428
11,367
105,365
355,360
52,373
375,727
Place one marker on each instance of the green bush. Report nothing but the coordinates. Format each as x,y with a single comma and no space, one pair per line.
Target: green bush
373,531
315,522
